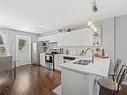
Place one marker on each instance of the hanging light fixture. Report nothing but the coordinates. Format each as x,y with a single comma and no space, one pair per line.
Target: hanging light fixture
93,5
90,23
94,29
94,9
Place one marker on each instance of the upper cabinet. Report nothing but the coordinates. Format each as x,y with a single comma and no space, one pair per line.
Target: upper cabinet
67,37
82,37
60,39
76,38
86,37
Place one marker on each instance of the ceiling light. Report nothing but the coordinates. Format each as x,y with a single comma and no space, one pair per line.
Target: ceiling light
90,23
94,6
94,9
40,26
92,26
94,29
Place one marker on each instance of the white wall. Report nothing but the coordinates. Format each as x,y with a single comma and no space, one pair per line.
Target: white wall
121,38
108,36
34,37
108,39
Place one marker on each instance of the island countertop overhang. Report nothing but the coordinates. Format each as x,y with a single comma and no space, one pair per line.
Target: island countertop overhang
100,67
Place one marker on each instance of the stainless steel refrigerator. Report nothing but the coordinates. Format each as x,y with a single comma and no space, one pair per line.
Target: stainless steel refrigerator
37,48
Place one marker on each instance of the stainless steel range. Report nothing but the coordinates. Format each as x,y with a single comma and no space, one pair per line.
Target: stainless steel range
49,61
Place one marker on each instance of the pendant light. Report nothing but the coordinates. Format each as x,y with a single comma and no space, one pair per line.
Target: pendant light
92,5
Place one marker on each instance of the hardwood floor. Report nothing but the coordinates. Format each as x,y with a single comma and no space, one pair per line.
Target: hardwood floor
30,80
35,80
123,91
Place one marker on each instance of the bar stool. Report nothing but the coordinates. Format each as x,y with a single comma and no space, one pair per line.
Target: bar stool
115,70
113,86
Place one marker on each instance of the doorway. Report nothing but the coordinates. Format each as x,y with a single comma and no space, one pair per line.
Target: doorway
23,50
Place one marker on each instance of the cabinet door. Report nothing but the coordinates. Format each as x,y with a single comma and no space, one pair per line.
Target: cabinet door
41,39
56,61
74,83
60,39
56,37
61,61
76,38
46,38
67,38
86,37
42,59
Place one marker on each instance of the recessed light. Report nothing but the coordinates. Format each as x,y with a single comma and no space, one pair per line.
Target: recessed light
40,26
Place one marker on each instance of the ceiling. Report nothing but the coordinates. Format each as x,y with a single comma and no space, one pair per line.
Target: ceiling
26,15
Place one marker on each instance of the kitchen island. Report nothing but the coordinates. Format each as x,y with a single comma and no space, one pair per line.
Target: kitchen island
77,79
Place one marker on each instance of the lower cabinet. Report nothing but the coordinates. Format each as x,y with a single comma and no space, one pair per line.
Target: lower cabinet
74,83
42,59
58,59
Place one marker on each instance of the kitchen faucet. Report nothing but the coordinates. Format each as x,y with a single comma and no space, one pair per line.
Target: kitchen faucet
92,53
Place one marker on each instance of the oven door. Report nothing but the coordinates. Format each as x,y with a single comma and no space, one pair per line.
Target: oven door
49,62
49,58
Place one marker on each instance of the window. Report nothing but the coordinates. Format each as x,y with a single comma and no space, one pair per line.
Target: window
2,47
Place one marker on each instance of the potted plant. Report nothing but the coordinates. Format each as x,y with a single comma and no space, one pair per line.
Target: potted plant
97,52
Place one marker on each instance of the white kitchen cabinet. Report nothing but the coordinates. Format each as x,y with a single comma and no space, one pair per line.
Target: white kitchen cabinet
75,38
60,39
67,39
45,38
58,59
82,37
74,83
41,39
86,37
53,38
42,59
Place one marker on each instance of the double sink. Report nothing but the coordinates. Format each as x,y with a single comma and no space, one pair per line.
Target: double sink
82,62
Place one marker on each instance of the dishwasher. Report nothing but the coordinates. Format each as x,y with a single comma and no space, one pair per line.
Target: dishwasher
68,58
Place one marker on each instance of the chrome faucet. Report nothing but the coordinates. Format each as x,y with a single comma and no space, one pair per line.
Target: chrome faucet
92,53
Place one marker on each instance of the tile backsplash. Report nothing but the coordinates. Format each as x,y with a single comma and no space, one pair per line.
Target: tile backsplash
76,50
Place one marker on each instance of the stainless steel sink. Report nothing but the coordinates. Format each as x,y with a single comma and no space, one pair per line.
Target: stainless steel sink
82,62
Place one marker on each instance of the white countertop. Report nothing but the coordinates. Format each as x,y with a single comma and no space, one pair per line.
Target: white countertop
100,67
71,56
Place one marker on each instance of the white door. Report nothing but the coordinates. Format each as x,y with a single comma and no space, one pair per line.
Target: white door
23,50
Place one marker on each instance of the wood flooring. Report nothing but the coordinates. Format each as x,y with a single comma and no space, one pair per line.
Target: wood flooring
35,80
30,80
